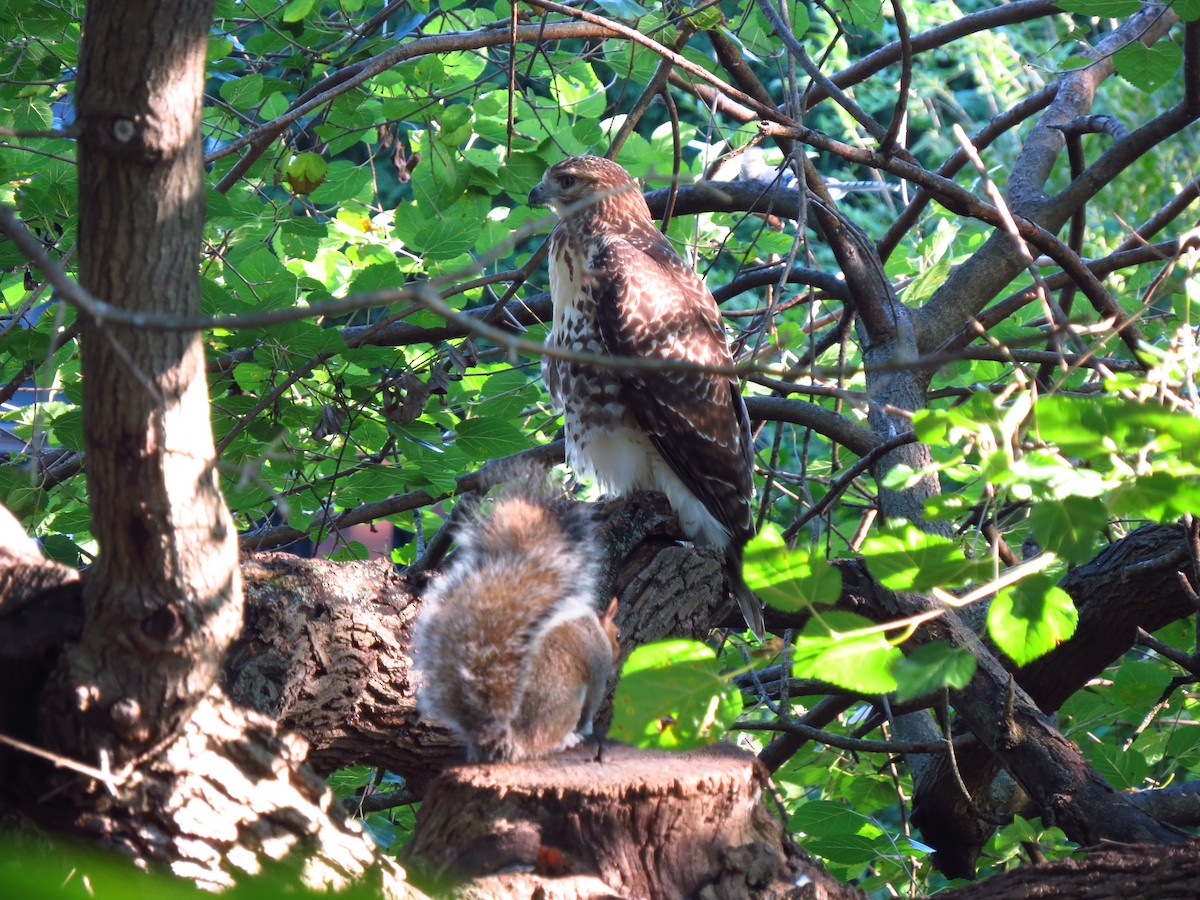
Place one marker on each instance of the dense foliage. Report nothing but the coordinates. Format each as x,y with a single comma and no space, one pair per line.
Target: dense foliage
372,273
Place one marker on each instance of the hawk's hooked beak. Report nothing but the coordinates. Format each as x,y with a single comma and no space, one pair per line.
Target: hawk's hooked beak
539,196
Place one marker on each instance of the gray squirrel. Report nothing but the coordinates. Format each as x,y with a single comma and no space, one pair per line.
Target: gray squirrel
510,652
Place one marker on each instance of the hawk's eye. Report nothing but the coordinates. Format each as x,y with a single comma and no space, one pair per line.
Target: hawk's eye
566,181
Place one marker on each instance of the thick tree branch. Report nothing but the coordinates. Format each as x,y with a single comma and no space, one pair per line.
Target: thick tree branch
1132,584
972,285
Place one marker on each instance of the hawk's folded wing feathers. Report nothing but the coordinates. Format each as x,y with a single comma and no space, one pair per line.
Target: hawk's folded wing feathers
651,305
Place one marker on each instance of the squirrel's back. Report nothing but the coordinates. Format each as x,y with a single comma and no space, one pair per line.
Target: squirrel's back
524,572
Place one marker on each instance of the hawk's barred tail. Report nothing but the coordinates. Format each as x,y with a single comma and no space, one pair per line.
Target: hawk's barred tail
750,605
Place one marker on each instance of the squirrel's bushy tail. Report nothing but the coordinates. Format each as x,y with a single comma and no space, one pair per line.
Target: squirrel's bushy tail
525,567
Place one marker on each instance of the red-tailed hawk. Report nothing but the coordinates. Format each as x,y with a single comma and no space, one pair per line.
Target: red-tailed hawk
620,289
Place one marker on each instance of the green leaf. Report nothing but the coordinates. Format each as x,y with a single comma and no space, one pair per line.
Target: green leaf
61,549
306,173
68,428
1188,10
671,696
788,579
440,233
371,485
343,182
1123,769
506,394
301,238
219,48
1071,63
377,277
829,649
455,124
866,14
1139,683
1102,9
622,9
843,849
931,667
577,90
242,93
295,10
923,286
436,470
1148,68
707,18
1159,496
380,828
1031,618
1069,527
825,817
259,279
908,559
484,438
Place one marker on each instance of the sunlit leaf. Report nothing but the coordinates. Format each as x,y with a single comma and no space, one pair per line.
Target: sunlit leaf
931,667
1070,527
671,696
826,817
788,579
908,559
831,649
1031,618
295,10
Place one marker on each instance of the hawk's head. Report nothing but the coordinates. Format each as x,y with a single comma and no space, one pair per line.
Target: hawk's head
589,187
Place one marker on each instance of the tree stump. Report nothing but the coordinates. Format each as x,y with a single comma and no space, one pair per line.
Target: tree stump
626,823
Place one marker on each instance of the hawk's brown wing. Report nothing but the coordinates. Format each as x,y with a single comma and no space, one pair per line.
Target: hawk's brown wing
651,305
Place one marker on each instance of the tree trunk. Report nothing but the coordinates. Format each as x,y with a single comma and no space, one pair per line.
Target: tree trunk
163,600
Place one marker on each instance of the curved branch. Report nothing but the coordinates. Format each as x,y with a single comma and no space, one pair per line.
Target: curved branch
900,113
809,415
823,281
1170,211
960,201
979,279
1127,150
820,79
764,110
998,312
986,136
987,19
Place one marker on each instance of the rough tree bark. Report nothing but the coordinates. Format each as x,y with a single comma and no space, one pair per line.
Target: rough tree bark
1132,584
1119,873
624,823
164,599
